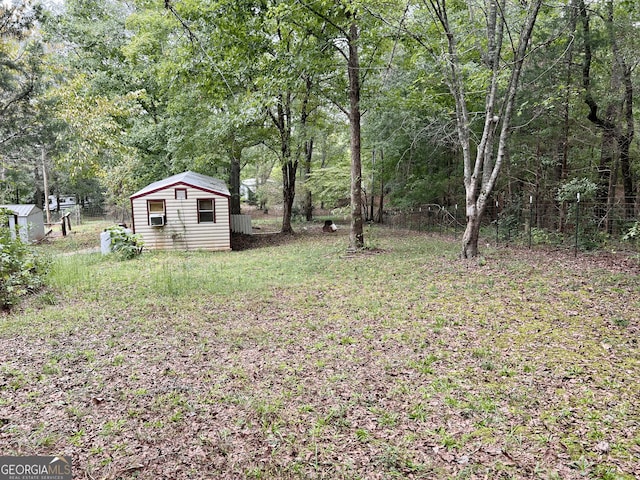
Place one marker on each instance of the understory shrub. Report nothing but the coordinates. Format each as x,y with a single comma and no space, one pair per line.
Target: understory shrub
22,270
124,243
633,234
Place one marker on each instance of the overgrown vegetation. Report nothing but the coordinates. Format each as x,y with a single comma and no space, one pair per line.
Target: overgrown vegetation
21,268
394,363
124,243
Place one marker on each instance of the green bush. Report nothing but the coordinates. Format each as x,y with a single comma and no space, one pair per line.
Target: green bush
22,271
125,244
568,192
540,236
633,234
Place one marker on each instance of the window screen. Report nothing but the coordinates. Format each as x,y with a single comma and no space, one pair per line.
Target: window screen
206,211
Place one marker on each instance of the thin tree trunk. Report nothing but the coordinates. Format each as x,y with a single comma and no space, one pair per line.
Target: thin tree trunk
234,178
356,236
45,179
289,169
562,172
282,121
562,169
373,192
38,194
289,165
308,201
323,161
380,216
307,150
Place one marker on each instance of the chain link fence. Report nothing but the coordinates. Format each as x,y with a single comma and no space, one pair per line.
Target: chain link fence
79,214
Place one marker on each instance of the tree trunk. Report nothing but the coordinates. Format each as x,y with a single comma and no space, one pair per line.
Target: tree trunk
624,144
610,124
307,149
471,236
234,179
562,168
289,169
308,201
562,171
381,202
626,135
356,235
38,194
282,121
480,176
45,179
372,189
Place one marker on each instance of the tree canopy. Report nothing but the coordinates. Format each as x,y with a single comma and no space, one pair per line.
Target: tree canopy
438,102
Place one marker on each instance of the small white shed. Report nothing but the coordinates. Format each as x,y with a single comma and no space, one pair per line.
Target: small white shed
187,211
28,219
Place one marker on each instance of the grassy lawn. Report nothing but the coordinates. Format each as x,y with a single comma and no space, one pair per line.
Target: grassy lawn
298,361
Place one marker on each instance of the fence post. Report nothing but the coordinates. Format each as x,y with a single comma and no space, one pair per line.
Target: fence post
575,254
497,225
455,220
63,224
530,218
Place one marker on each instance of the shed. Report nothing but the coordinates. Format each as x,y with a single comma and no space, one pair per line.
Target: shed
187,211
29,222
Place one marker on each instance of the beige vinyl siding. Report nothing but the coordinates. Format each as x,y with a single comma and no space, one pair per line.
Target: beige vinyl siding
182,230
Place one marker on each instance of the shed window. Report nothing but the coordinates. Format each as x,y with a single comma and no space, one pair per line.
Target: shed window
206,211
156,212
155,206
181,193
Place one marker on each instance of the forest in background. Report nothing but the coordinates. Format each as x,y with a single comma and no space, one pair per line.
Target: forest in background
106,96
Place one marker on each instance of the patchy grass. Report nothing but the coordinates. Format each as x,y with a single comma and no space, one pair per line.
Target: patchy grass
297,361
80,237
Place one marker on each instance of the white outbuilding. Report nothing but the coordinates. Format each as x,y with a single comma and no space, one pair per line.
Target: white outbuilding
187,211
27,221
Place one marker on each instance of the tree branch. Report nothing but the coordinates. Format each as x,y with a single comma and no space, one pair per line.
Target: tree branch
193,38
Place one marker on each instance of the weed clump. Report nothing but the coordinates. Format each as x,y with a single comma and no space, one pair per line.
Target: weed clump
124,244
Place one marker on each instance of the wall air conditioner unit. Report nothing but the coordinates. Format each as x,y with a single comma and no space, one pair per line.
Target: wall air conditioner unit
156,220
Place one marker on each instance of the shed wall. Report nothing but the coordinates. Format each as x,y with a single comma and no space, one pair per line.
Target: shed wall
35,226
30,228
182,230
